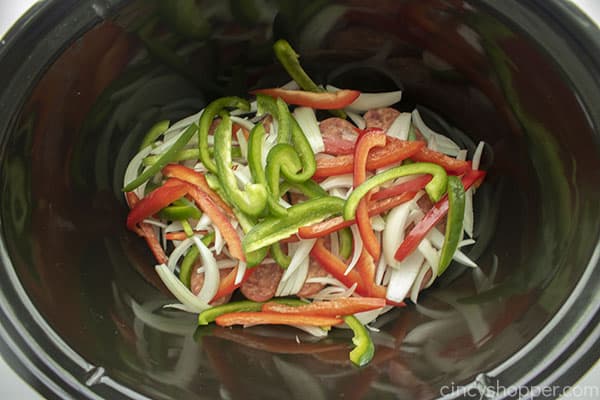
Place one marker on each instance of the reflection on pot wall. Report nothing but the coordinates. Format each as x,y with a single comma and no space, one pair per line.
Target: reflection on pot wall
472,78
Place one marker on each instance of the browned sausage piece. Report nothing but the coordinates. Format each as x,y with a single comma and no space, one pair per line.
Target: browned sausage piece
339,136
262,284
314,271
381,118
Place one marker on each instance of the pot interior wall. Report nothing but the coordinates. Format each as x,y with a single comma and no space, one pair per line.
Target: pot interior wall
472,75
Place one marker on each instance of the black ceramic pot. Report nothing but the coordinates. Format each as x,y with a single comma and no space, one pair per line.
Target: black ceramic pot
81,81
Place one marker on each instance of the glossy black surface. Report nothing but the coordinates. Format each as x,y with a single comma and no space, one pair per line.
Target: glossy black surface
84,80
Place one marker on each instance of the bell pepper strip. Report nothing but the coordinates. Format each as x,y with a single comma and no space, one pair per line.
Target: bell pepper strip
181,235
454,224
281,159
305,152
210,314
279,110
186,174
282,259
309,188
435,188
255,149
263,318
333,308
218,218
164,159
206,120
157,129
272,229
155,201
394,152
336,267
335,224
364,349
187,228
191,154
365,143
253,199
181,209
345,236
186,267
414,185
288,58
315,100
432,217
147,232
450,164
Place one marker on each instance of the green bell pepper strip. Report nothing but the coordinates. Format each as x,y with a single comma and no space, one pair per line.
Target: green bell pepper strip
279,256
206,120
210,314
289,60
302,146
309,188
180,210
364,349
164,159
255,148
157,129
187,228
253,258
253,199
435,188
282,159
272,229
191,154
345,236
280,112
454,223
185,269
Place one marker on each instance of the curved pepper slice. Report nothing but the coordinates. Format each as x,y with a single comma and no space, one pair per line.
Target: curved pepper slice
332,308
364,349
315,100
157,129
280,112
365,143
206,119
181,209
450,164
274,229
281,159
432,217
454,225
394,151
253,200
185,269
414,185
435,188
264,318
164,159
155,201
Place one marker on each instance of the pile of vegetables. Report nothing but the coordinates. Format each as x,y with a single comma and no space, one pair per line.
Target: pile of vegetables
260,196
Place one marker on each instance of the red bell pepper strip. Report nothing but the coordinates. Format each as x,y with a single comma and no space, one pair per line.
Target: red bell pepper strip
196,178
433,216
450,164
395,151
221,221
181,235
335,266
268,318
155,201
318,101
335,224
333,308
414,185
147,232
368,141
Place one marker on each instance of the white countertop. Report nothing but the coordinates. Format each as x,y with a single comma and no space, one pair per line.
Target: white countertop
13,387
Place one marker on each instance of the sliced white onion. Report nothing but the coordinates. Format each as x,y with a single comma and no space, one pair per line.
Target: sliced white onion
133,168
378,223
312,330
468,219
367,317
358,120
291,85
437,239
331,293
241,271
180,291
358,247
416,287
477,155
305,116
221,264
298,255
462,155
444,144
393,234
242,142
203,223
212,277
335,244
326,280
179,251
154,222
269,143
219,241
243,174
369,101
431,255
182,124
400,127
338,181
403,277
381,267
